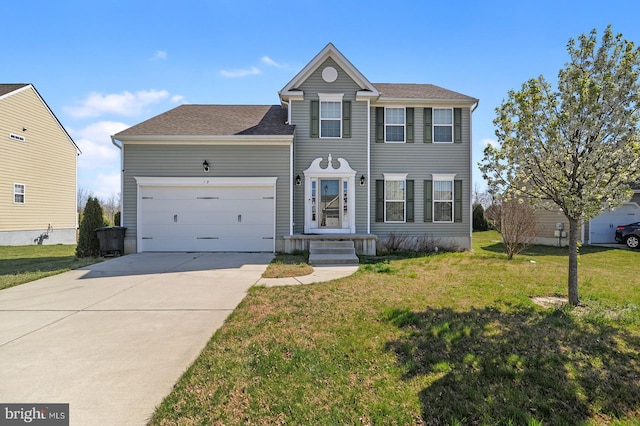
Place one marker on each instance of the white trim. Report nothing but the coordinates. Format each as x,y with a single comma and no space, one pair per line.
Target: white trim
142,181
368,166
404,125
343,172
334,98
205,181
23,193
443,178
433,125
206,140
395,177
291,183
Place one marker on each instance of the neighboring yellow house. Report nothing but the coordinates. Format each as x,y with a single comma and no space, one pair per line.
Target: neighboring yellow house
38,171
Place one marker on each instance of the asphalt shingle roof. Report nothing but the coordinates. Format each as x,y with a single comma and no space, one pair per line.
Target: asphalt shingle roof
419,91
215,120
8,88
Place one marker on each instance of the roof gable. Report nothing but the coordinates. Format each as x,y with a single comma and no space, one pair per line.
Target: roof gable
329,51
7,90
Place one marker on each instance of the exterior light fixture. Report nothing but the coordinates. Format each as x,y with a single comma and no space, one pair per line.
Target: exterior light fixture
298,180
205,166
362,180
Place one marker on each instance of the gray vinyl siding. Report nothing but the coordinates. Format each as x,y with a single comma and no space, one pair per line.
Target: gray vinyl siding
186,161
307,149
420,160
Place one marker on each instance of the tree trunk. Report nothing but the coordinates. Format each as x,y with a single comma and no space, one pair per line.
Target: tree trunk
573,262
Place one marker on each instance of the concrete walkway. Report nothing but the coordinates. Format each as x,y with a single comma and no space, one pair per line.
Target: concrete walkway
319,274
113,338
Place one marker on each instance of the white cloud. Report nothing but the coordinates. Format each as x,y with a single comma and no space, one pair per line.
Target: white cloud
267,60
487,141
178,99
240,73
95,143
106,185
126,103
161,54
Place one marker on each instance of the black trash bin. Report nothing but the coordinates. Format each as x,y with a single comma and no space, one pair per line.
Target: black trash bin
111,240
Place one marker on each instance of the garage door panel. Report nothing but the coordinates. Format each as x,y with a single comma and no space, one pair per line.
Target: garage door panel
207,219
603,228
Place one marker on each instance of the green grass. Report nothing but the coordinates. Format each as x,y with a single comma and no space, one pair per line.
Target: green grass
288,265
452,338
21,264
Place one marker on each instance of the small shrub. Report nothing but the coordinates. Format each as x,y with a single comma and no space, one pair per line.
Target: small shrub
116,219
92,218
480,222
380,267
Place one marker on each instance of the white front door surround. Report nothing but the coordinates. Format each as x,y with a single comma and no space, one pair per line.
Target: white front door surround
329,206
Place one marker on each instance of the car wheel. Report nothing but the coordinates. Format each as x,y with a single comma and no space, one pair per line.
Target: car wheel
632,241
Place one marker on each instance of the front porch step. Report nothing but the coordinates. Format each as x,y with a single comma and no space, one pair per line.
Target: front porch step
332,253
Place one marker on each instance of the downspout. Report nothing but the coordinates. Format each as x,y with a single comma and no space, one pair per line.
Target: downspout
113,141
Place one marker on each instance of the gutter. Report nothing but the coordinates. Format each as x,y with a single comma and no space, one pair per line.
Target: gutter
113,141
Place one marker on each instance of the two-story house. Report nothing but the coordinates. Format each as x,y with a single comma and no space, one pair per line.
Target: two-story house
38,168
340,158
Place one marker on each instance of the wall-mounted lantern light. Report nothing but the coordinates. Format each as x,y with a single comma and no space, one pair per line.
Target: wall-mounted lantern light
298,180
205,166
362,180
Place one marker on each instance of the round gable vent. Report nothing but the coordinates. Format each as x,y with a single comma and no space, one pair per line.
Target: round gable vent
329,74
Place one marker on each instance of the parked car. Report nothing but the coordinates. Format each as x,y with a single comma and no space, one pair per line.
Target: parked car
629,235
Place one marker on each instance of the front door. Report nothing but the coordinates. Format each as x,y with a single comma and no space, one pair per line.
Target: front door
330,203
329,194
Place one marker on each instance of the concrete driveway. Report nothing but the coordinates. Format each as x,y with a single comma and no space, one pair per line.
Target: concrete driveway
113,338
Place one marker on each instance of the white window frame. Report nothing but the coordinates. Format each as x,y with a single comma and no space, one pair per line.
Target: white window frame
395,177
329,97
443,178
441,125
23,193
403,125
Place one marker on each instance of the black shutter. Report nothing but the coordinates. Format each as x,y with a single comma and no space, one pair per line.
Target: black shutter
379,200
410,125
379,125
346,119
457,204
428,132
428,201
457,125
315,119
410,201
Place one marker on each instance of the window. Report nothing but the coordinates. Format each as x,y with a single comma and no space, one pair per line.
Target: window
394,125
443,125
443,200
330,115
18,193
394,198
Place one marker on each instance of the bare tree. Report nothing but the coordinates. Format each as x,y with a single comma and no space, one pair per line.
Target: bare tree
517,225
111,206
82,197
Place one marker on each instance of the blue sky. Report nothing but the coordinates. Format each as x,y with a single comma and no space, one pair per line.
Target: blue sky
105,65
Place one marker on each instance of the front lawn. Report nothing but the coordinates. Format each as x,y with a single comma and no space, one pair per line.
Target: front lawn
453,338
21,264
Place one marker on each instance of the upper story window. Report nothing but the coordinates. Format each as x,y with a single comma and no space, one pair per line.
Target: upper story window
443,125
330,115
18,193
394,126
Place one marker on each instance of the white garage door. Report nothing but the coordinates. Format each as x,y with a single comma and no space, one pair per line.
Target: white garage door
603,227
207,218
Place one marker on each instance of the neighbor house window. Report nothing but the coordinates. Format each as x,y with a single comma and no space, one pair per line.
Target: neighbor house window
443,200
394,125
330,115
443,125
18,193
395,197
